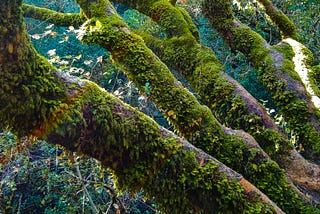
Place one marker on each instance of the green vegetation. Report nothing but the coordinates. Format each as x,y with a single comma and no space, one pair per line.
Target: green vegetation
144,161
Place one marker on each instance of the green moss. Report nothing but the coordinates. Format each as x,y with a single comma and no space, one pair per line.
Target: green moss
294,109
169,18
285,49
181,106
309,58
250,43
310,141
281,192
283,86
192,27
216,192
99,125
59,19
288,67
133,147
201,67
275,145
285,25
240,117
220,14
30,91
315,79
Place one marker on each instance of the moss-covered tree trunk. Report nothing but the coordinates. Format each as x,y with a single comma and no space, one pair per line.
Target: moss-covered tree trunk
285,69
193,121
37,100
231,103
104,128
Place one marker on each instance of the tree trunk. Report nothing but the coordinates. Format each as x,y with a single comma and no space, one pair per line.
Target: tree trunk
229,101
278,70
37,100
92,116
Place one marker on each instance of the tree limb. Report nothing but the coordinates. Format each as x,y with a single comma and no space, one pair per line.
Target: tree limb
59,19
276,72
85,119
284,24
217,90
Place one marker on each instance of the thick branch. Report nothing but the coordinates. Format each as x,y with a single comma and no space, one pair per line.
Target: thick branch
284,24
59,19
90,121
169,21
119,136
203,129
276,72
231,103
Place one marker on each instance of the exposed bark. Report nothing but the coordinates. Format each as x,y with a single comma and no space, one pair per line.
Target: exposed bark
172,31
203,132
249,115
85,119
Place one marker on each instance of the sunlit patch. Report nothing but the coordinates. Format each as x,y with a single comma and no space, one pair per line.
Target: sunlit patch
300,67
248,5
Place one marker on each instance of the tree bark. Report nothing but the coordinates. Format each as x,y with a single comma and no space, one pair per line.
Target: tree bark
277,70
220,148
231,103
86,113
85,119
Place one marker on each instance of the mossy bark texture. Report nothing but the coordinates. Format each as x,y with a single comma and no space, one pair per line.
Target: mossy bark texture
284,24
59,19
104,128
202,130
276,71
85,119
230,102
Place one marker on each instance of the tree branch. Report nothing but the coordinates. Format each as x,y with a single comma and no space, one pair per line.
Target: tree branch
284,24
231,103
276,72
59,19
86,119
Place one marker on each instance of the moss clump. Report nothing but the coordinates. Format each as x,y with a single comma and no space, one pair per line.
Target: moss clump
275,145
287,65
285,49
213,192
220,15
192,27
213,89
294,107
249,43
281,192
315,79
285,25
235,113
135,149
59,19
30,91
